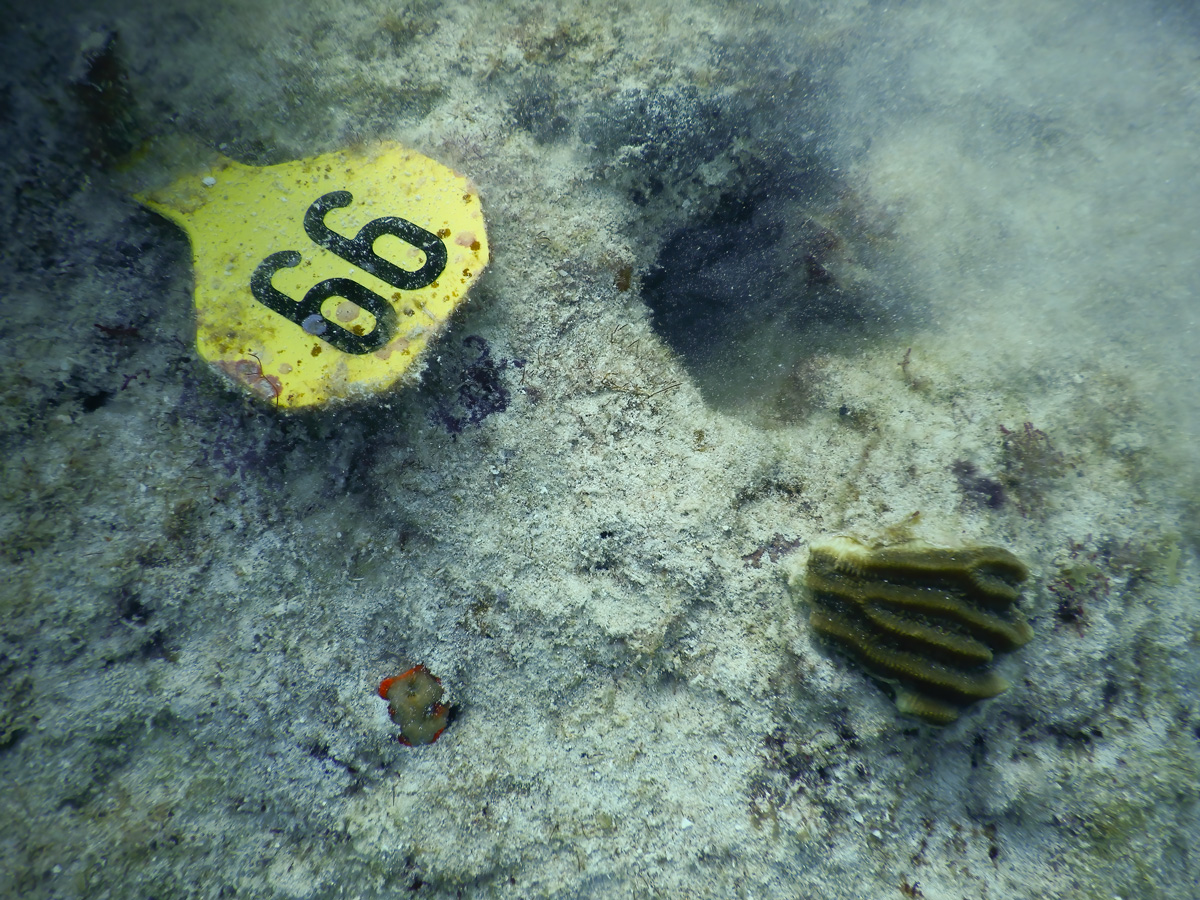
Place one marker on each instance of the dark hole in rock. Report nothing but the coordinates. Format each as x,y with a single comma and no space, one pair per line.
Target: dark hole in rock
770,264
784,273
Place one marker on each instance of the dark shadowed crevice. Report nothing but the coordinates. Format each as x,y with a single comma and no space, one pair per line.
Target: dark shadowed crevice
768,262
784,270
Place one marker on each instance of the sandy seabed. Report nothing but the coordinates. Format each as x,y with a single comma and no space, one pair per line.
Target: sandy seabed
760,274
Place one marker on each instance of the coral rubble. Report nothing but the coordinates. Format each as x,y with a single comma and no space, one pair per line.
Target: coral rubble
923,619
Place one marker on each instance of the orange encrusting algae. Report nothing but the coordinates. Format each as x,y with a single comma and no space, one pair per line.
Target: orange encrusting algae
414,703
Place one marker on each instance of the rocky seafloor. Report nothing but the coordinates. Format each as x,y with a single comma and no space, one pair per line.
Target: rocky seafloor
760,274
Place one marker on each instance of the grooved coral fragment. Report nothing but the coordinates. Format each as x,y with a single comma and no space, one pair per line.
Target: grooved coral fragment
924,619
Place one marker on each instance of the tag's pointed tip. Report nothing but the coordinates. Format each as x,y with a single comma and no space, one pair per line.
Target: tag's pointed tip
176,174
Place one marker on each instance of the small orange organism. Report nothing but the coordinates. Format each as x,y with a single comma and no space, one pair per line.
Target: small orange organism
414,703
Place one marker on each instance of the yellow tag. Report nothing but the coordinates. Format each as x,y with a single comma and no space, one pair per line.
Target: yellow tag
325,278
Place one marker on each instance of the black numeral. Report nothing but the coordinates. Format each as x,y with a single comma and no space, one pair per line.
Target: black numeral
359,250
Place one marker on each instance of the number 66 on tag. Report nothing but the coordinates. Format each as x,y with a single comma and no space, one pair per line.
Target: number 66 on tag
324,279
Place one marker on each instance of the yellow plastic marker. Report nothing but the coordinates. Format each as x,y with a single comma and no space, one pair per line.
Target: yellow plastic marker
325,278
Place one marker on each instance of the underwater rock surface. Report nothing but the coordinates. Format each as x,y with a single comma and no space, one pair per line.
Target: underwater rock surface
917,226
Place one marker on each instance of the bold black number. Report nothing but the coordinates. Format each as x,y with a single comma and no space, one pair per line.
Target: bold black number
361,249
307,311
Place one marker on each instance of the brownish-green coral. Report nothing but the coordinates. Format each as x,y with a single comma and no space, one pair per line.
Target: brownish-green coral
923,619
